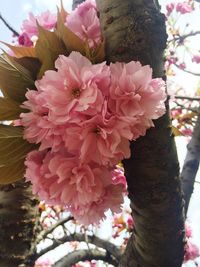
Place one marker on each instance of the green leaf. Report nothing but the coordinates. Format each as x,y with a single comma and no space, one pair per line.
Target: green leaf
12,172
71,40
9,109
14,79
13,147
48,47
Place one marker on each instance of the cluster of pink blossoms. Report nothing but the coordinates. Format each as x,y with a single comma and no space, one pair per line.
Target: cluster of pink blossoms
181,7
83,21
83,116
30,29
191,250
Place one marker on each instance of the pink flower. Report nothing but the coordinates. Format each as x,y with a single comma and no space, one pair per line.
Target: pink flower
46,20
182,66
83,117
24,40
170,8
38,127
100,140
84,22
87,190
111,199
191,251
134,95
196,59
183,8
75,89
118,177
65,96
130,222
188,230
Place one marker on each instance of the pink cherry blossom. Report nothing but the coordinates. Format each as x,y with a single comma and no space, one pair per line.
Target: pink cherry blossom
83,116
191,251
183,8
87,190
59,101
46,20
196,59
99,140
24,40
118,177
84,22
74,89
130,222
170,8
111,199
188,230
136,96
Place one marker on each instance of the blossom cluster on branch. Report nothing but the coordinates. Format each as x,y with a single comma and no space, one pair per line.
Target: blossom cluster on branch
83,116
81,112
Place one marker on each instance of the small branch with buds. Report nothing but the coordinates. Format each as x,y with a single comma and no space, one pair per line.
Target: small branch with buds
187,98
187,71
181,38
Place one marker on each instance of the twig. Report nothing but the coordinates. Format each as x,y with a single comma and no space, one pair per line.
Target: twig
194,98
188,71
183,37
44,233
8,26
83,255
191,164
183,107
92,239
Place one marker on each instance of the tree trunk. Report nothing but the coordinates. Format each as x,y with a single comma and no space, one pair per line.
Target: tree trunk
135,30
18,216
191,164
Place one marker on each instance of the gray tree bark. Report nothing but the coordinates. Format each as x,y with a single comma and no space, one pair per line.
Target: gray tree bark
191,164
135,30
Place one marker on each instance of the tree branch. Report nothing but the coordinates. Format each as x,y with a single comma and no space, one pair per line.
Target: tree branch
83,255
183,37
186,108
191,164
193,98
108,246
44,233
135,30
8,26
187,71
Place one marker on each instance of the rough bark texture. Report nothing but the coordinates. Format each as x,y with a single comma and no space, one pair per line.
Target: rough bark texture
135,30
17,225
191,164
